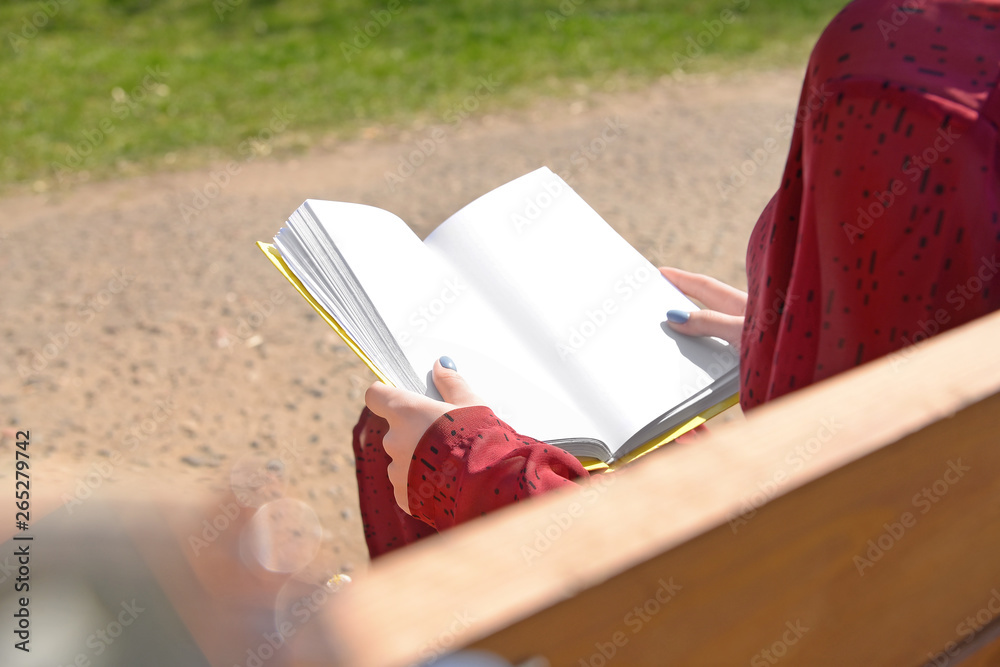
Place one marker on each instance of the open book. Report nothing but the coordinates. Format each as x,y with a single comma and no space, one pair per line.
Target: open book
556,322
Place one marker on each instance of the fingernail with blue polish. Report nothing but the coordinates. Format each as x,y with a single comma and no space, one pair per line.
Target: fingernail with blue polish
448,363
678,316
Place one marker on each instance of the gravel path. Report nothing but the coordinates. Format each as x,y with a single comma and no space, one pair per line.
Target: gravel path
146,338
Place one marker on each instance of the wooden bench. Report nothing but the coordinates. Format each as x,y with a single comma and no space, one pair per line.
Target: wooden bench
856,522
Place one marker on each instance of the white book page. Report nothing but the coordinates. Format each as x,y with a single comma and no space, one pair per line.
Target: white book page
433,309
589,303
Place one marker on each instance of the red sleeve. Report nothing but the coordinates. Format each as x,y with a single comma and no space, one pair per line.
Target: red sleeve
469,463
386,526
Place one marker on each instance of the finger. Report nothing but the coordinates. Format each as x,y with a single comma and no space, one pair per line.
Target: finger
711,323
452,386
380,397
715,294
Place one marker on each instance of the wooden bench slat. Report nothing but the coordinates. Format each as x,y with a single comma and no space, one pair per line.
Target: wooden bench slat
868,441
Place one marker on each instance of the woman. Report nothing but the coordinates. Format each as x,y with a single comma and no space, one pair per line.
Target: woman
884,231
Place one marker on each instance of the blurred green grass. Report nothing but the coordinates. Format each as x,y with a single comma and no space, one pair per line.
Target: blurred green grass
105,87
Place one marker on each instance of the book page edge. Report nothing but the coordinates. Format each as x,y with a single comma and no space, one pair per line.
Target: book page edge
275,257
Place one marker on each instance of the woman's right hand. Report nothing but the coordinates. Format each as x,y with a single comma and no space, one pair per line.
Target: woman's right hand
725,307
409,415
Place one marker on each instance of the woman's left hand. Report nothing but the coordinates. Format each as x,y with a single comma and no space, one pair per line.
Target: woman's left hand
725,307
410,415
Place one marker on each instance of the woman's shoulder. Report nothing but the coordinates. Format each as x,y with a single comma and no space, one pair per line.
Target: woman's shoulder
946,50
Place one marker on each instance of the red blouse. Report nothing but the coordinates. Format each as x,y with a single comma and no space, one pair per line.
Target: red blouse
883,232
885,228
